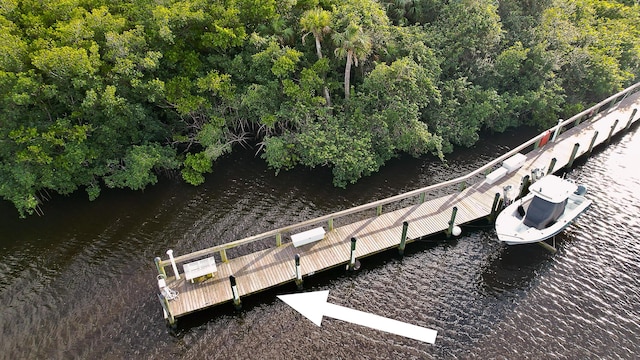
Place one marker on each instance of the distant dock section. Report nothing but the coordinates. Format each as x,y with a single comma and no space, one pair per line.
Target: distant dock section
210,277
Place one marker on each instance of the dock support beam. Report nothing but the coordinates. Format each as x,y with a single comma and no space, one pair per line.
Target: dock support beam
353,263
278,239
236,296
173,264
613,127
573,155
450,231
403,238
331,224
631,119
298,273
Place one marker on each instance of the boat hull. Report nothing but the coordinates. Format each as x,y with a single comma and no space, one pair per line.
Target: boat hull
511,229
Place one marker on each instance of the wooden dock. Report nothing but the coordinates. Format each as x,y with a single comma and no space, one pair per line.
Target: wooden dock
471,196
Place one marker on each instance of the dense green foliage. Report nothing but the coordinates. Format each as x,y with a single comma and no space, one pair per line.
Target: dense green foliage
97,93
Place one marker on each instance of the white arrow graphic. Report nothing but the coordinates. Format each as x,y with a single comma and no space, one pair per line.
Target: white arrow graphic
313,305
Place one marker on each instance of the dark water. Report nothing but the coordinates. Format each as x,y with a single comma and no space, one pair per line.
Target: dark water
80,281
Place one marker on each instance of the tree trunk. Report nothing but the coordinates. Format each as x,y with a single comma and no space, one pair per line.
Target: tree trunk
327,97
347,74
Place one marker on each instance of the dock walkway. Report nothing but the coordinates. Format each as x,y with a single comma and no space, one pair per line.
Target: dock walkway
472,197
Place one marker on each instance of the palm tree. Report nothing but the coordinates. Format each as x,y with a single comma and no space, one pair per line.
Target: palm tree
316,22
353,44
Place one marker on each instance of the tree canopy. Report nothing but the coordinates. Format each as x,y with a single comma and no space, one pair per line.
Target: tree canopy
109,94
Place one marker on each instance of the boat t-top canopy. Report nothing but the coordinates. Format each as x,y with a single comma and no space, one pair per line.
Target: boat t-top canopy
553,188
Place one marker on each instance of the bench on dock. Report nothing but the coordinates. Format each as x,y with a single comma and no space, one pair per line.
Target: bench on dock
203,267
308,236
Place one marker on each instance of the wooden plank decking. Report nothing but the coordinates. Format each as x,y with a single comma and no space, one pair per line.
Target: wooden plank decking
275,266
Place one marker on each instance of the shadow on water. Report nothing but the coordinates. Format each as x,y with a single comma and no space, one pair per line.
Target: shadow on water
513,269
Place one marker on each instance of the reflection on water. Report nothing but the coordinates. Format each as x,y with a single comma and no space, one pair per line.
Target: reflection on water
79,282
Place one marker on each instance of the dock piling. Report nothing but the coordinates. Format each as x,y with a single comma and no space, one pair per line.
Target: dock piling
353,263
524,186
159,268
236,296
557,130
633,113
403,238
613,127
576,146
593,141
452,228
494,208
298,272
552,164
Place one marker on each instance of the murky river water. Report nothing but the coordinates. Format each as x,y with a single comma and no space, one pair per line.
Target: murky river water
80,281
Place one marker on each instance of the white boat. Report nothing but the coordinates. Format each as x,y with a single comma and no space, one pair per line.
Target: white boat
551,205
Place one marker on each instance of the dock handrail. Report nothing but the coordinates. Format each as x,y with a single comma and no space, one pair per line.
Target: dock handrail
589,113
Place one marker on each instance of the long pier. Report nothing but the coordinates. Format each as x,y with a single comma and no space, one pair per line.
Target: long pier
468,198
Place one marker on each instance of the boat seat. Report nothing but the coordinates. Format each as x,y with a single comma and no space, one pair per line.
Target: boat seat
541,213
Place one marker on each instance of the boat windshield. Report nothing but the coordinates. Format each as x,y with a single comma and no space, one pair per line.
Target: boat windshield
542,213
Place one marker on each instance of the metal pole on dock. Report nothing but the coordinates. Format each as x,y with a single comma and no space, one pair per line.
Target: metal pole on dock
234,289
173,264
403,238
298,273
573,155
353,265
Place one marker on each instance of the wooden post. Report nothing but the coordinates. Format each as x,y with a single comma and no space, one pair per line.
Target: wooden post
452,221
352,258
463,185
223,255
549,248
330,224
160,268
422,195
631,119
236,296
494,208
573,155
552,164
298,272
558,130
593,141
278,239
165,306
524,187
613,127
403,238
379,210
578,120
